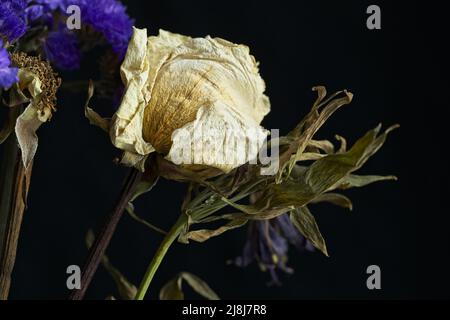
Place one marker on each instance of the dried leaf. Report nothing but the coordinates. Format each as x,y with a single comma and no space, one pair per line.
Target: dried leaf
130,211
334,198
199,286
305,156
149,179
306,129
127,291
324,145
307,225
205,234
308,183
173,289
26,126
94,117
343,147
357,181
32,118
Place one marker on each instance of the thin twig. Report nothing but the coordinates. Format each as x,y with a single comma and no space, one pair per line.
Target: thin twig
14,185
104,237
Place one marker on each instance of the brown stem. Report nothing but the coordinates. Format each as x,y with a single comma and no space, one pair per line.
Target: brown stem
14,185
104,237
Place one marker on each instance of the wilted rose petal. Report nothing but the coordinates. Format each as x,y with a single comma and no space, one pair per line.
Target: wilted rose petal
191,99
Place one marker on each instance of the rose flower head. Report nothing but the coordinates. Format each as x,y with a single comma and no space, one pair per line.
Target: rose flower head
197,101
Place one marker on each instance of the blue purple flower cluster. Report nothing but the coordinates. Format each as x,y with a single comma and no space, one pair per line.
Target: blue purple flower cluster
61,46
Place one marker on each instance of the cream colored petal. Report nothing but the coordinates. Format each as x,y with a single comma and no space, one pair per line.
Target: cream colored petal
126,125
32,118
26,126
218,138
238,71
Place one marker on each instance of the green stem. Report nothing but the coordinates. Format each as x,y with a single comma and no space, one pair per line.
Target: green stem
159,256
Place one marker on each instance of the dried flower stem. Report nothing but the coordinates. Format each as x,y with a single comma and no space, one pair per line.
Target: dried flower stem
104,237
14,185
159,256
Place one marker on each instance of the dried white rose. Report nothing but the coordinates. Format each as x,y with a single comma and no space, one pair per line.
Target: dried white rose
190,98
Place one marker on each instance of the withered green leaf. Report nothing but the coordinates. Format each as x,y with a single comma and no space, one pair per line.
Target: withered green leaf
199,286
307,128
130,210
307,225
324,145
173,290
357,181
146,184
324,173
334,198
205,234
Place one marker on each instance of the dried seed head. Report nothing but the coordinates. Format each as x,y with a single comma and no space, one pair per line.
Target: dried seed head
50,81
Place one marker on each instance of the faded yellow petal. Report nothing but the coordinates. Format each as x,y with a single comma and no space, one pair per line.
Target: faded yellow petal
32,118
126,125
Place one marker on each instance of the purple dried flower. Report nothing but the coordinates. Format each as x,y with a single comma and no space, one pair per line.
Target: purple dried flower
108,17
12,19
268,244
42,8
61,47
8,74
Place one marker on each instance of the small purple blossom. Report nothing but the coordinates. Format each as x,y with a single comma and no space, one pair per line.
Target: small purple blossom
12,19
42,9
61,47
8,74
268,244
108,17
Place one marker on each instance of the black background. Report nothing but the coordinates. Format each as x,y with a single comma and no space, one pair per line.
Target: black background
396,76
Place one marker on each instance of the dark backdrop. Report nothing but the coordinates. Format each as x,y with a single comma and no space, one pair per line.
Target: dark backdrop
401,226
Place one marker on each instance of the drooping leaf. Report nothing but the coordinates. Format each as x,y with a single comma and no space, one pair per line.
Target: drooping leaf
205,234
32,118
305,156
199,286
324,145
93,117
334,198
173,290
96,119
343,147
357,181
131,212
323,174
307,128
149,179
127,290
307,225
26,126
